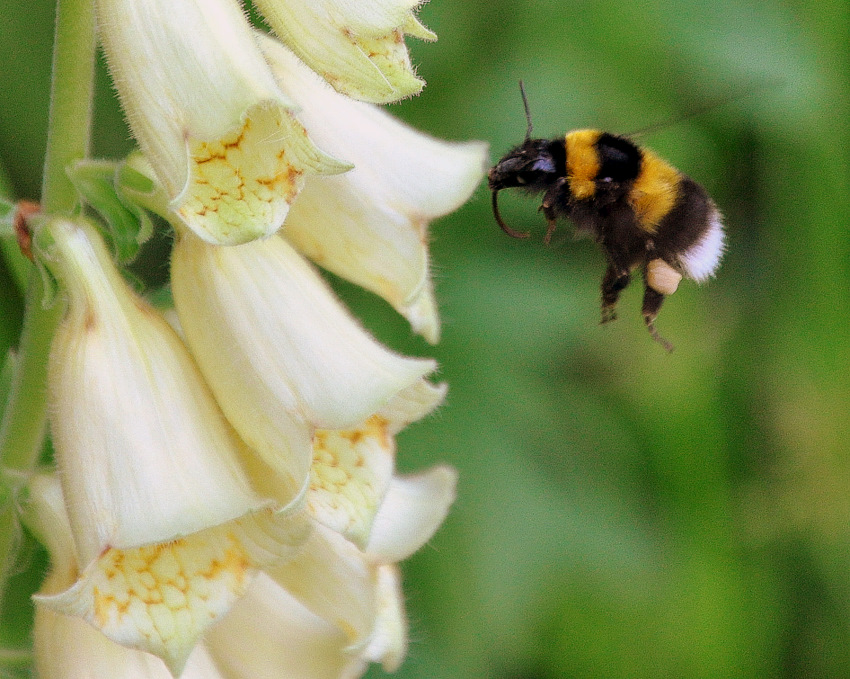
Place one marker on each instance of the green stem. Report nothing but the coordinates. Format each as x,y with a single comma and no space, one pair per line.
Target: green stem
17,264
69,128
24,421
25,418
14,658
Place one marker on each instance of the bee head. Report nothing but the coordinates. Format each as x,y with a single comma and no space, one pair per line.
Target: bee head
534,166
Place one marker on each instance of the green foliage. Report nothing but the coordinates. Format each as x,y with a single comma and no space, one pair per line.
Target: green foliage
128,226
622,512
7,374
7,212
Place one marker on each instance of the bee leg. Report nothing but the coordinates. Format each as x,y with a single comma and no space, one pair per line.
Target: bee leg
652,301
614,282
549,229
548,207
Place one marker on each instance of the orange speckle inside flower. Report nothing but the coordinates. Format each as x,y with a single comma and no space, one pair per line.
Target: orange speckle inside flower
349,476
160,598
241,185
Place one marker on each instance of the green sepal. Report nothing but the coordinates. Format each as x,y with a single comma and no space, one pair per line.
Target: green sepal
134,281
138,185
131,180
128,225
42,246
161,298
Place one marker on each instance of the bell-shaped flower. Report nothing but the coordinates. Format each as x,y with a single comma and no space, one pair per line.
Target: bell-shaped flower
352,474
206,111
270,634
67,647
370,224
279,351
167,527
366,519
334,608
357,47
325,614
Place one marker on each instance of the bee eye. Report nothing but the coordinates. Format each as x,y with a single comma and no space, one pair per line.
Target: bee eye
543,164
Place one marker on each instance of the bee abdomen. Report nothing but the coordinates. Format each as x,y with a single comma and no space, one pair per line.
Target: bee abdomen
691,234
701,260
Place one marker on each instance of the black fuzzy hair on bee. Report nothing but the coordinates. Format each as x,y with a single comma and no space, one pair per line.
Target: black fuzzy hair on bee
643,212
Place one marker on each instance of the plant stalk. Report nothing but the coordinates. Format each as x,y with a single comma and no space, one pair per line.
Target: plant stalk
23,427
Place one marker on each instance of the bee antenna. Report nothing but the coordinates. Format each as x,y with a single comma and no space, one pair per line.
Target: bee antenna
527,111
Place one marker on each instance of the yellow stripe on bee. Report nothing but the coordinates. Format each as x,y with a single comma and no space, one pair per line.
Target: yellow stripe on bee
654,192
582,162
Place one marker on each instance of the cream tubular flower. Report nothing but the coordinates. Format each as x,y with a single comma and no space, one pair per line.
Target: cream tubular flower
68,647
132,421
269,635
357,591
279,351
167,527
328,612
352,470
358,47
370,224
368,518
208,114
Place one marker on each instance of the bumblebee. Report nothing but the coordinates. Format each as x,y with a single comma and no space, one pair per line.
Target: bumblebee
643,212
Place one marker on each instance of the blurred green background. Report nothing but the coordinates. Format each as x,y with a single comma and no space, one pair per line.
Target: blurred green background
622,512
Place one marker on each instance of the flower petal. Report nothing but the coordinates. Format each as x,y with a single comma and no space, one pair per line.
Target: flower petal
357,47
46,517
349,476
269,635
68,647
162,598
413,404
370,225
352,469
412,510
144,452
420,310
334,580
388,644
276,346
206,111
243,182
